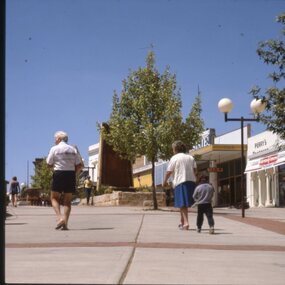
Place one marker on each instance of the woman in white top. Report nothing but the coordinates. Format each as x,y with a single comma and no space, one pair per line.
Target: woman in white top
183,168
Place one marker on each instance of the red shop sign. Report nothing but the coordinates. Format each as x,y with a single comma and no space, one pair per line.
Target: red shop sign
268,160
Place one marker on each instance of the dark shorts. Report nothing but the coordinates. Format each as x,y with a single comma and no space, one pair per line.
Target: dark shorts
183,194
14,192
63,181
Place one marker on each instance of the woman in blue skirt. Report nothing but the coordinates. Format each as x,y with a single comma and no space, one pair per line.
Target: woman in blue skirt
183,168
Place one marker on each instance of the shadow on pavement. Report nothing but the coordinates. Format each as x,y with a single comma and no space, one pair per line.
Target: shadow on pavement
92,229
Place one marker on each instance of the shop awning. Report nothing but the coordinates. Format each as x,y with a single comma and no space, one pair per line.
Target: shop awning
218,152
265,162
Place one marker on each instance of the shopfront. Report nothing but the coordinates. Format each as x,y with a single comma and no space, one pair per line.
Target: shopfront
229,183
265,170
221,162
218,158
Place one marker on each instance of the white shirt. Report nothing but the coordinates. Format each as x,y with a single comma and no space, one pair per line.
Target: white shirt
182,166
63,157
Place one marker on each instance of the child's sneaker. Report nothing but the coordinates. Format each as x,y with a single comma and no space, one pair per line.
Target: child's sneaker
198,230
211,231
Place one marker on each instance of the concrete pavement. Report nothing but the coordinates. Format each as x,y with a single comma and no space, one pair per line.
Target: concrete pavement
130,245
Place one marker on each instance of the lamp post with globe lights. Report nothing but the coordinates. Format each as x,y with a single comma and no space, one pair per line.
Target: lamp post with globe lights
225,106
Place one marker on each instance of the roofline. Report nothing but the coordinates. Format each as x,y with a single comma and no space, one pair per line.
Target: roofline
218,147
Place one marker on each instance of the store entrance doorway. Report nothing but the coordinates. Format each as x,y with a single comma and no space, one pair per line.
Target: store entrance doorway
230,192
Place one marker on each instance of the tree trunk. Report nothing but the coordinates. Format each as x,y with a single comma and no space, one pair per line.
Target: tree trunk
153,186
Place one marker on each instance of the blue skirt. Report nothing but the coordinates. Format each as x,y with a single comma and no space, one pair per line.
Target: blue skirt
183,194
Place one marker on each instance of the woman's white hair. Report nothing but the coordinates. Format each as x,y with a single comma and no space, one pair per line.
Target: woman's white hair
63,136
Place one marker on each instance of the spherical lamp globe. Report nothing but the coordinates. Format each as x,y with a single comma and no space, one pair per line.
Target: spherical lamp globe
225,105
257,106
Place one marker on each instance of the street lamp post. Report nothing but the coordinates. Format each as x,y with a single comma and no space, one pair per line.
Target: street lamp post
225,105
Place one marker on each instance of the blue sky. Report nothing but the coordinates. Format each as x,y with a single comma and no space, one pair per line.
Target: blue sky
64,59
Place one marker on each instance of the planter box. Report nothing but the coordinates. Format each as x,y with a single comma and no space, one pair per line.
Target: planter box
122,198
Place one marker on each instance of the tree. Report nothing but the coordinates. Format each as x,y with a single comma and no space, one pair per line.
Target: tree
43,176
146,119
194,125
272,52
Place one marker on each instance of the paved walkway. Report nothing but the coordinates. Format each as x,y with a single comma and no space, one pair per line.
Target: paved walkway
129,245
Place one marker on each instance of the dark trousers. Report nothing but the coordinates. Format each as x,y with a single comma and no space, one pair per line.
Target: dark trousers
206,209
88,194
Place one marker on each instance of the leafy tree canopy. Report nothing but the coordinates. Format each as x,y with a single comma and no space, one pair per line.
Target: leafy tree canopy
43,176
193,125
147,118
272,52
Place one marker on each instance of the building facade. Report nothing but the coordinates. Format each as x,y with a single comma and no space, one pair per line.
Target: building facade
266,170
93,157
219,158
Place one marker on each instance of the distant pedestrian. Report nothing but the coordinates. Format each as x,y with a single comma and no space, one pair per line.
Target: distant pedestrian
66,162
203,195
183,168
87,188
14,190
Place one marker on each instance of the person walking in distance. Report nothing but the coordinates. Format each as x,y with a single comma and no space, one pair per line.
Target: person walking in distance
14,190
66,162
183,168
203,195
88,187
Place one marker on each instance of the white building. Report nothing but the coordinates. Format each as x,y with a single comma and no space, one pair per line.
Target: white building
266,170
93,156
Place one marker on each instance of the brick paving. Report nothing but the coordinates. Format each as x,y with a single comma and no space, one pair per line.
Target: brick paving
266,224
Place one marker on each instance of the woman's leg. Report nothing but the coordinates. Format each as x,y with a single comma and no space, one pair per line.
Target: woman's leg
13,199
181,218
184,211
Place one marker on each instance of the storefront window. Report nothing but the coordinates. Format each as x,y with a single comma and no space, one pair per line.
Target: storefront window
229,183
231,167
237,166
225,172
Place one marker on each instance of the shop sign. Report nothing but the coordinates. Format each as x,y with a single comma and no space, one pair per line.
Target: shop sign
268,160
265,162
215,169
263,142
207,138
